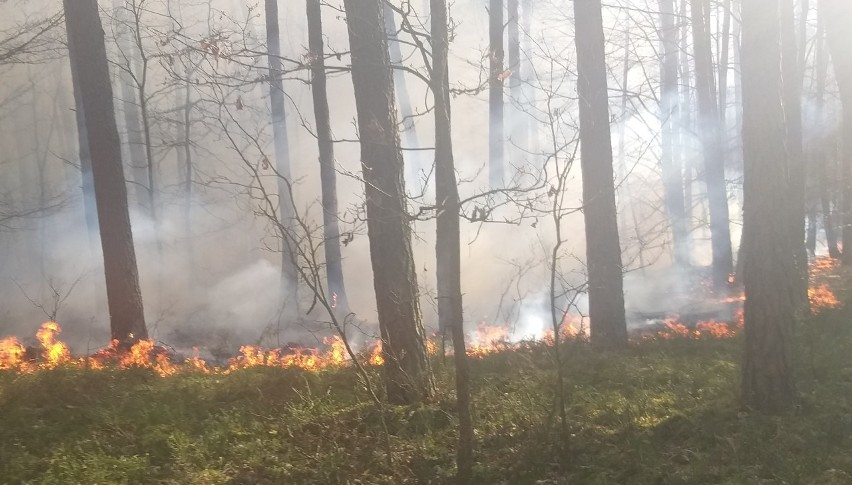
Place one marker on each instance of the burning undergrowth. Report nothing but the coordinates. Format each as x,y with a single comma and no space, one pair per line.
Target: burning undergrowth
484,340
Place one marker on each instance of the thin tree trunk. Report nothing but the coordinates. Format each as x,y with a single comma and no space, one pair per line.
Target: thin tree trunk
89,64
711,141
406,369
448,246
516,125
603,251
686,128
792,75
328,175
822,160
671,163
413,167
837,32
496,133
286,211
769,267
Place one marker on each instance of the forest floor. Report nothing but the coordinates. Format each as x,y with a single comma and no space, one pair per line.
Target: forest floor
664,412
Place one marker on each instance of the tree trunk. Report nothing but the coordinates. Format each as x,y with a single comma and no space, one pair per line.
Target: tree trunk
496,133
769,266
820,150
89,63
328,175
517,133
90,207
792,76
603,251
837,32
406,369
448,246
138,163
413,167
286,210
711,142
671,163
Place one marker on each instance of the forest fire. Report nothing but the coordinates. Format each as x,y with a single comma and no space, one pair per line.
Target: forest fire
483,341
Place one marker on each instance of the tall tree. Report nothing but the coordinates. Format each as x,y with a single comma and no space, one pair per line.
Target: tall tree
328,175
820,146
406,370
406,110
132,79
711,142
792,77
286,210
517,131
603,251
837,14
89,64
672,169
448,247
496,130
769,269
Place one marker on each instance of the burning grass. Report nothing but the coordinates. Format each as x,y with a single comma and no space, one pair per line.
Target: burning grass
662,412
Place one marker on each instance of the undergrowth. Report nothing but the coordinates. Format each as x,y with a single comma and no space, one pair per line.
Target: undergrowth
663,412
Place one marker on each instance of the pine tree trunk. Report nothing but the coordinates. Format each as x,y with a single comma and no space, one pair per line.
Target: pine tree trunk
496,133
286,210
821,158
769,266
711,142
87,52
448,246
792,75
406,370
837,33
328,175
603,251
413,167
671,163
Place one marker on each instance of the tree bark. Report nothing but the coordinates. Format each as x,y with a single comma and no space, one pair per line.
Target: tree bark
87,53
671,162
792,76
448,246
769,266
328,175
286,210
820,151
406,369
413,167
837,32
496,130
603,250
711,142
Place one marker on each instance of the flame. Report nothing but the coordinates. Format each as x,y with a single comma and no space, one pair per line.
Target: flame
12,354
821,298
376,357
55,352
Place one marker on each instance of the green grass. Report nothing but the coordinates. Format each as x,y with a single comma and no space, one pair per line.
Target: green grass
664,412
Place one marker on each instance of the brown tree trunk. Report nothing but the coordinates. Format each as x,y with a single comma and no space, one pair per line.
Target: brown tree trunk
769,266
671,162
413,165
820,145
406,369
603,251
89,63
838,12
328,175
496,133
138,163
447,247
792,75
711,142
286,210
